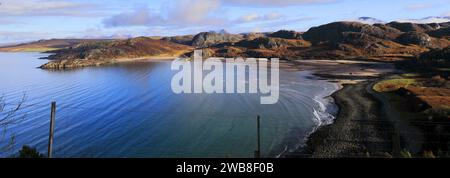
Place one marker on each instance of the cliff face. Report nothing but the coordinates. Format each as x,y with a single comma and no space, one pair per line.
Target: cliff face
98,53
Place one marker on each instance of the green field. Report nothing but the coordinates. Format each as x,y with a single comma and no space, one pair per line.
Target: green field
393,84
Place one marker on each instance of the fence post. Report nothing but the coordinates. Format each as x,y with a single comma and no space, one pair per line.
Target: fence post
52,126
258,148
396,145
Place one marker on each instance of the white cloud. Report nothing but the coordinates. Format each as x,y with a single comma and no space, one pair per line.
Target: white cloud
253,17
427,20
418,6
179,13
43,8
193,11
272,3
138,17
249,18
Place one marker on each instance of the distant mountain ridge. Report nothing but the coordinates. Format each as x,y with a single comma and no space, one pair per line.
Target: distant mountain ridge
426,20
369,20
46,45
337,40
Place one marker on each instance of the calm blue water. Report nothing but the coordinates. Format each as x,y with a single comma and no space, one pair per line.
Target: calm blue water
129,110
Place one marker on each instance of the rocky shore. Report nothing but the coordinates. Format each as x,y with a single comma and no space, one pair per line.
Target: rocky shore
354,133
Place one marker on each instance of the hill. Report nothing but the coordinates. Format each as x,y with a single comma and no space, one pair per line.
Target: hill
45,45
342,40
338,40
106,52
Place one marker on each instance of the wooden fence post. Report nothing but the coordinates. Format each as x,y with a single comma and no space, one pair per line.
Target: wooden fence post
258,148
52,126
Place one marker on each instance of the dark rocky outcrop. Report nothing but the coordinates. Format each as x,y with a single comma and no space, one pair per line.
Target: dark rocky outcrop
412,27
252,36
286,34
432,63
270,43
444,25
207,39
185,40
416,38
440,33
358,39
390,32
437,54
334,32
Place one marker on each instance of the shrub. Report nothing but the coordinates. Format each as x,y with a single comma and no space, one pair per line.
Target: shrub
428,154
405,154
28,152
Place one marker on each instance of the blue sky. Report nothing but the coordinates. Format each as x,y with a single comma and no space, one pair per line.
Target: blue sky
26,20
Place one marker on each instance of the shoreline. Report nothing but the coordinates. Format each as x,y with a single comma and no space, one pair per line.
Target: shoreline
350,79
80,63
348,134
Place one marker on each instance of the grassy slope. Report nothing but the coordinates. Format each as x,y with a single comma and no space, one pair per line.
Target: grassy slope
45,45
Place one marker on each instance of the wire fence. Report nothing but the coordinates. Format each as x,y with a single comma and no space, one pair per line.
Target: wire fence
362,137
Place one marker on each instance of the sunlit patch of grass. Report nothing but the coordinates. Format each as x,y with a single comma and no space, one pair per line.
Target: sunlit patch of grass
410,75
393,84
443,69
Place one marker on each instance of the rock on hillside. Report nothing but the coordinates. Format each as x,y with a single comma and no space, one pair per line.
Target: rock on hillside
207,39
271,43
253,35
334,32
185,40
412,27
436,58
286,34
416,38
437,54
440,33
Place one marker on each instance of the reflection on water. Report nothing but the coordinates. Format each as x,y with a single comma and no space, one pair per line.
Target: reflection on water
129,110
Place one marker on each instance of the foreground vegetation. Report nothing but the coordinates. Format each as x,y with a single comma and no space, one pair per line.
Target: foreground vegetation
422,98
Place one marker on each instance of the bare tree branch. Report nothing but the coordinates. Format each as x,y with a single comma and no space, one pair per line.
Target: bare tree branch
9,117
